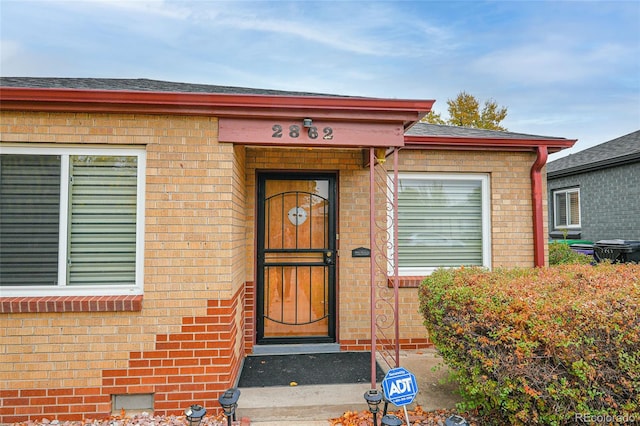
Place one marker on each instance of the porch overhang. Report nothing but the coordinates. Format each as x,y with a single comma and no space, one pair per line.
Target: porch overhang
257,106
357,121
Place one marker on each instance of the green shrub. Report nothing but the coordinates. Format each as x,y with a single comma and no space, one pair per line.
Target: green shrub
561,254
540,346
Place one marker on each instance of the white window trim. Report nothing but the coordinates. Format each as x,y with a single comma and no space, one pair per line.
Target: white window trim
568,212
484,179
62,289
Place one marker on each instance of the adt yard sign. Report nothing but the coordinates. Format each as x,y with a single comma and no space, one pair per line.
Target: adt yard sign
400,386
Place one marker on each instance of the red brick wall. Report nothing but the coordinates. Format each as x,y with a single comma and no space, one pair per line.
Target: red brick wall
193,365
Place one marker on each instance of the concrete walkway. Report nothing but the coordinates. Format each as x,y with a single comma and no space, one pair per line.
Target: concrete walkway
315,405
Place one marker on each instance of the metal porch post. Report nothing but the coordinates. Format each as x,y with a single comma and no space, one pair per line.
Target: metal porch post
372,266
385,257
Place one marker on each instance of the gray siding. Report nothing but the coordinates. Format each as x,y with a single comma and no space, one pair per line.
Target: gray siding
610,202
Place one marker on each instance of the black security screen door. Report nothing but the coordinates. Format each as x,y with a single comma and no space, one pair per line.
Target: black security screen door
296,258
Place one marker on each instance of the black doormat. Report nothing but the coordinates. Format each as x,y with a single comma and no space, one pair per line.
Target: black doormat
308,369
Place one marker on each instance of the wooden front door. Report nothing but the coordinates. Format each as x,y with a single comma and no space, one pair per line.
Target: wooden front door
296,258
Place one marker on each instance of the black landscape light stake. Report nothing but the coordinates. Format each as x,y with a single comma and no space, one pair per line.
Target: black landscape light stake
391,420
194,414
386,404
373,399
229,402
455,420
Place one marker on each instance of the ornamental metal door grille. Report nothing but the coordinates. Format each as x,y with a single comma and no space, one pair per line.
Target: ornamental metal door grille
296,258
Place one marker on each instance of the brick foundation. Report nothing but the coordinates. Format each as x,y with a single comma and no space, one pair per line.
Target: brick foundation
192,366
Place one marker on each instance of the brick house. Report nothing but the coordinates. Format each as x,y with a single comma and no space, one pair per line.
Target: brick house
594,193
154,234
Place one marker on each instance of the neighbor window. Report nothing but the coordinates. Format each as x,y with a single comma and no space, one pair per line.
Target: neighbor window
443,221
71,221
566,208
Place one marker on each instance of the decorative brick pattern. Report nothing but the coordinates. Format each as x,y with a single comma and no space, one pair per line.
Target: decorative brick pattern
194,365
45,304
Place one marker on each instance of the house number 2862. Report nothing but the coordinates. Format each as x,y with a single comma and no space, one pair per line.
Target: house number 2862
294,132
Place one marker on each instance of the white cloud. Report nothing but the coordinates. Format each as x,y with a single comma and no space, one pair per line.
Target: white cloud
346,26
554,59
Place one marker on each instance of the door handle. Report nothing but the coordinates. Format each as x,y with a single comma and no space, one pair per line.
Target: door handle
328,257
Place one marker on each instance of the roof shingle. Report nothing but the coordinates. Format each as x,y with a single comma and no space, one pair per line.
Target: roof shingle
140,85
614,152
427,129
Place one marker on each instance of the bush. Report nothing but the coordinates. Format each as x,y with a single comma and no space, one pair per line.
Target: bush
540,346
561,254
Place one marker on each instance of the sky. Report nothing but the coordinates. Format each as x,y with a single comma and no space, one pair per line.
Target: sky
561,68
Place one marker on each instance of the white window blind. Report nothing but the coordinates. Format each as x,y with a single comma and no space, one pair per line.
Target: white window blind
102,218
574,208
442,222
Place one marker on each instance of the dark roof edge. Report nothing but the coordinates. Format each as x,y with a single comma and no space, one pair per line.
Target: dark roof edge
604,164
145,85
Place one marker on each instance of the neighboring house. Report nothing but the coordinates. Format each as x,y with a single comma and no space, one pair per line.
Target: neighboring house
595,194
153,234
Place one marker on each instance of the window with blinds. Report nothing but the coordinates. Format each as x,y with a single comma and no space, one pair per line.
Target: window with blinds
443,221
71,220
29,219
102,220
566,208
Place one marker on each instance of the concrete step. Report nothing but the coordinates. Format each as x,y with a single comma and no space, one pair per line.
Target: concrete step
315,405
306,405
